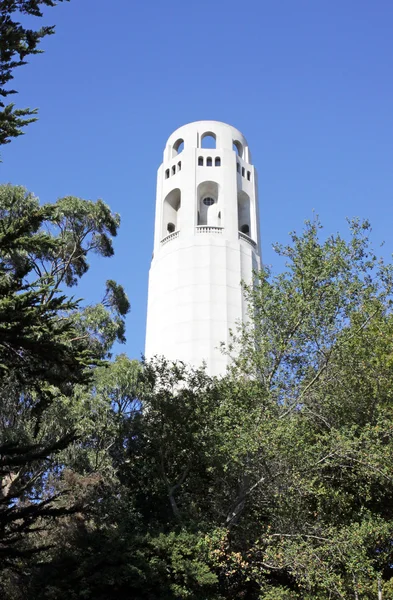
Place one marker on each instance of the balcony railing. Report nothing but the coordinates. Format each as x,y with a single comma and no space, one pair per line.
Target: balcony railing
169,237
208,229
243,236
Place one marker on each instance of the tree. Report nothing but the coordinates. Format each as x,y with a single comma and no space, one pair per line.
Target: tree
17,42
148,437
318,344
49,346
272,482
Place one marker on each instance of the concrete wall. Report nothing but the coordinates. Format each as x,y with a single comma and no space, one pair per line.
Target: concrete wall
200,257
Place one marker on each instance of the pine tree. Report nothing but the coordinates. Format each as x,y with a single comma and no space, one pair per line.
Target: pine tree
17,42
49,346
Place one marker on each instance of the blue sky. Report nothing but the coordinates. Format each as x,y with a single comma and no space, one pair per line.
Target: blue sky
309,83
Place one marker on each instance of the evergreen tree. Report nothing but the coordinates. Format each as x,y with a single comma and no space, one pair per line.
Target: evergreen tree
49,346
17,42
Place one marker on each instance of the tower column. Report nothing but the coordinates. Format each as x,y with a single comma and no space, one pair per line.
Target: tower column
206,242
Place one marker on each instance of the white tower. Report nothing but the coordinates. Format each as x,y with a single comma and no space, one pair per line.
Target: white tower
206,241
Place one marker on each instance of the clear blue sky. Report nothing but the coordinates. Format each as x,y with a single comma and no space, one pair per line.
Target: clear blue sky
309,83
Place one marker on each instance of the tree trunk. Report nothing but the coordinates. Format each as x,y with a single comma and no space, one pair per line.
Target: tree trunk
379,589
355,587
174,507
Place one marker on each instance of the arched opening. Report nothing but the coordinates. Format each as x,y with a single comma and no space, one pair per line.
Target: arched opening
171,212
238,148
173,169
208,140
178,147
238,167
249,175
217,162
243,171
179,165
167,174
244,213
200,161
209,162
208,199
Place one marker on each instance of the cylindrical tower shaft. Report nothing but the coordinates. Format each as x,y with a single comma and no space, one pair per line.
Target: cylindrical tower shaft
206,242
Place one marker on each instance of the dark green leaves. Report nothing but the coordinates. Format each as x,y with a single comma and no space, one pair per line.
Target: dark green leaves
16,44
49,347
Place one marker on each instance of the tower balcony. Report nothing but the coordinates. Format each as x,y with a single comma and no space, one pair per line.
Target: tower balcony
208,229
246,238
169,237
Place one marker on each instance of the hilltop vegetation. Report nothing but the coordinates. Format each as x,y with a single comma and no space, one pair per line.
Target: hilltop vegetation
151,480
124,479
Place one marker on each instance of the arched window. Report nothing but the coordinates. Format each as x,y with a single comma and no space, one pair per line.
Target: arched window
208,140
249,175
238,167
178,147
243,171
171,212
238,148
173,169
200,161
179,165
209,162
217,162
244,212
208,199
167,174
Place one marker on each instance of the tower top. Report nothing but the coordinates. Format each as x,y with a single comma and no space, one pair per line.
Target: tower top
192,135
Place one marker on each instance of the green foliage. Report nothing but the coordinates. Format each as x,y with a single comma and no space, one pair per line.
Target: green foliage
82,226
318,344
105,564
47,352
272,482
17,42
